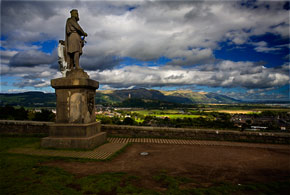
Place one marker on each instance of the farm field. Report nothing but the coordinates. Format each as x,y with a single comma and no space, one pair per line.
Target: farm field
246,109
209,116
237,111
194,113
173,114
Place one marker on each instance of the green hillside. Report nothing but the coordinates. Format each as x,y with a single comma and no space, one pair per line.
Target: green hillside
28,99
40,99
200,97
178,96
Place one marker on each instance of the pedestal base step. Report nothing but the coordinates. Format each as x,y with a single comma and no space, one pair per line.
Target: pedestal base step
75,142
74,130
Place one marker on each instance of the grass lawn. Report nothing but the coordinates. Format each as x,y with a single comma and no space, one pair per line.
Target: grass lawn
23,174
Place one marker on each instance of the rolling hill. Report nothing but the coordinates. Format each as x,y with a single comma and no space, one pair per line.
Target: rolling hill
28,99
40,99
178,96
201,97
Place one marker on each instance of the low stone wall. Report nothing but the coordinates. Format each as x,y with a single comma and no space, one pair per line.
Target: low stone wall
41,128
200,134
24,127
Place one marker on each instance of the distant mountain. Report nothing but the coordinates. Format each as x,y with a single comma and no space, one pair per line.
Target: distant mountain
178,96
201,97
40,99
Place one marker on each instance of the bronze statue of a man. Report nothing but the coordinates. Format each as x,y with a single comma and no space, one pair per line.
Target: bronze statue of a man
74,43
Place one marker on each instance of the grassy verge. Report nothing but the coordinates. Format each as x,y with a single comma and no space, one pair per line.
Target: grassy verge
8,142
24,174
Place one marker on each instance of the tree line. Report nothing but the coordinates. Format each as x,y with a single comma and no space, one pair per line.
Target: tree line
13,113
216,120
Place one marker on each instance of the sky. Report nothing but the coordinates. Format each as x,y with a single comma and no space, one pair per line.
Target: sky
235,48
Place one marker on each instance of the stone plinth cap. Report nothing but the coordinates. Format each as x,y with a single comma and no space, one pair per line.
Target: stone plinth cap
68,83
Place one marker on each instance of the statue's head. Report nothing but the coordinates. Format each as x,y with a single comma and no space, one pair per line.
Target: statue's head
74,14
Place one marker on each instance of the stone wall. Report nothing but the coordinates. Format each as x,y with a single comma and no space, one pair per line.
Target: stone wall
24,127
200,134
41,128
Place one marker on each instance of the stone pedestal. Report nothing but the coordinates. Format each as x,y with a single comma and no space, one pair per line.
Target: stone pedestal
76,125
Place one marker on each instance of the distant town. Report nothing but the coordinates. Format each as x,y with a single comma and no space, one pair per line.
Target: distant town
237,119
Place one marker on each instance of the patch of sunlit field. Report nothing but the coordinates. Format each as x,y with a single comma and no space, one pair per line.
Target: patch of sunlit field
175,116
172,114
156,112
250,111
239,111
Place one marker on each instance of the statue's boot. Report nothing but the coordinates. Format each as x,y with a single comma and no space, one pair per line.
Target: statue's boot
76,60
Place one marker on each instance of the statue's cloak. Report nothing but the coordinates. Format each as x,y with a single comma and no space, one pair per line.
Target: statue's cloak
73,41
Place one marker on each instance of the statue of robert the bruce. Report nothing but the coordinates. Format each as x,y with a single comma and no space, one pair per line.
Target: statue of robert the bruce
73,42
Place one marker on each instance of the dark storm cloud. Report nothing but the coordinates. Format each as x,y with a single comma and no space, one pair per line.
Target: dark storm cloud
31,58
17,16
99,63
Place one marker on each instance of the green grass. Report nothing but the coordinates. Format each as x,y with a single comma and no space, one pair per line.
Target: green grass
175,116
172,185
139,120
21,174
24,174
152,112
172,114
7,142
111,183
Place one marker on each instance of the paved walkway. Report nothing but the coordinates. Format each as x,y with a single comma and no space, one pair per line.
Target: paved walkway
198,142
115,144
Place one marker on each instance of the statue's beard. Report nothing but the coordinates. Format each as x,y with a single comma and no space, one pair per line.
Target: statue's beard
77,19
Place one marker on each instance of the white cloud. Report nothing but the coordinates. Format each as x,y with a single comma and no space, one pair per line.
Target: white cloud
5,56
44,71
17,90
184,31
225,74
262,46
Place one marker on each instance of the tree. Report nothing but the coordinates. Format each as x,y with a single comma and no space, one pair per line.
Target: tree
44,115
21,114
11,113
116,121
104,119
7,112
128,121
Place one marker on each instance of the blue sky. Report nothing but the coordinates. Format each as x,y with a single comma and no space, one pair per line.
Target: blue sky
235,48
